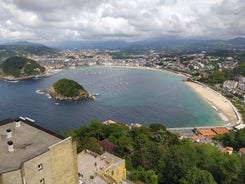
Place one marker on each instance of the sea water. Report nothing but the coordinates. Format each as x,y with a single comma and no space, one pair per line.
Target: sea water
122,94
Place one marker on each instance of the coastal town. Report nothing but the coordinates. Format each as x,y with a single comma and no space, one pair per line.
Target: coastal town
122,92
193,66
196,66
199,65
106,149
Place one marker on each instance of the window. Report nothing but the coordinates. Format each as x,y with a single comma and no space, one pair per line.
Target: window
42,181
40,167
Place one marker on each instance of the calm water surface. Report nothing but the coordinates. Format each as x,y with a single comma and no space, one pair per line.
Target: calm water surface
125,95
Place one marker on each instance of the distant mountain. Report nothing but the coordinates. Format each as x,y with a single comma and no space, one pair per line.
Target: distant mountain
162,44
26,43
23,48
155,44
238,41
90,44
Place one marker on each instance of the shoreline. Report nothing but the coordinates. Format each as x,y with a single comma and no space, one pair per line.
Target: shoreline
221,105
148,68
49,73
225,109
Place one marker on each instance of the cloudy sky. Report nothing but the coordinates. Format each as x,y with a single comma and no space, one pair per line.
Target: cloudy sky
129,20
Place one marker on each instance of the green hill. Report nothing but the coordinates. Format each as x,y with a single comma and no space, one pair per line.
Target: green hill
14,49
65,89
19,67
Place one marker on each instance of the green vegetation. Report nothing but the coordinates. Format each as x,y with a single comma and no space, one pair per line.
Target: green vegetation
215,77
234,139
84,56
154,155
240,70
128,53
70,57
68,88
22,50
20,67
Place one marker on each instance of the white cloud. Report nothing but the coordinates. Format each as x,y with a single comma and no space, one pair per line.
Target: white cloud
125,19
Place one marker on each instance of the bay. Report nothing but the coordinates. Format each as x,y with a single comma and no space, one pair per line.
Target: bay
124,95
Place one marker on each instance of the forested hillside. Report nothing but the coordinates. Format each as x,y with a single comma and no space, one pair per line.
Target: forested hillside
10,50
68,88
154,155
20,67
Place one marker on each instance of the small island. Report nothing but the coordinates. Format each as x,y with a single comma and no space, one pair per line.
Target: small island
66,89
19,68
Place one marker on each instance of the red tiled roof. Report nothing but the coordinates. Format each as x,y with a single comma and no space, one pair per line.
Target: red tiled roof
242,150
107,145
206,132
220,130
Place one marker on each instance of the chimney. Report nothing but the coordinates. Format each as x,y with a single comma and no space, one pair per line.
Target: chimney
17,123
9,133
10,146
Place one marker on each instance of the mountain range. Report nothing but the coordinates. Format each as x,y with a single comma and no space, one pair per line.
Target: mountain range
156,44
24,47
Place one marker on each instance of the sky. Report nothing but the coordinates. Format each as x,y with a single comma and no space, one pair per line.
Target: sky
128,20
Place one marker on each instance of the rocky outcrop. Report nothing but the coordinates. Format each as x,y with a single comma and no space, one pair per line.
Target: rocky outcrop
57,97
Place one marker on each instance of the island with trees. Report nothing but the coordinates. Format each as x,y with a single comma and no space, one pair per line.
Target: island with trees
18,68
66,89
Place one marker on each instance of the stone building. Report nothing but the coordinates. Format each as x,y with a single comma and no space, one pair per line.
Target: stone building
30,154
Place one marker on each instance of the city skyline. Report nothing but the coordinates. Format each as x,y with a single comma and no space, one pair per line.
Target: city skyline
61,20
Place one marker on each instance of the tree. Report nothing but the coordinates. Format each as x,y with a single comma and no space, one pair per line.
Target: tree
21,67
68,88
224,168
216,77
89,143
155,127
197,176
240,70
147,176
178,160
235,139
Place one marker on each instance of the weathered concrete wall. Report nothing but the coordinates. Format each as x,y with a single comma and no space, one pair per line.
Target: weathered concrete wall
64,162
37,169
11,177
57,165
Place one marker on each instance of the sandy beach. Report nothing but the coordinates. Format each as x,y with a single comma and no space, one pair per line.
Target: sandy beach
220,104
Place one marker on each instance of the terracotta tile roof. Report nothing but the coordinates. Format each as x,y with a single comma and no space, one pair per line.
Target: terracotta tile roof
206,132
242,150
220,130
227,150
107,145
